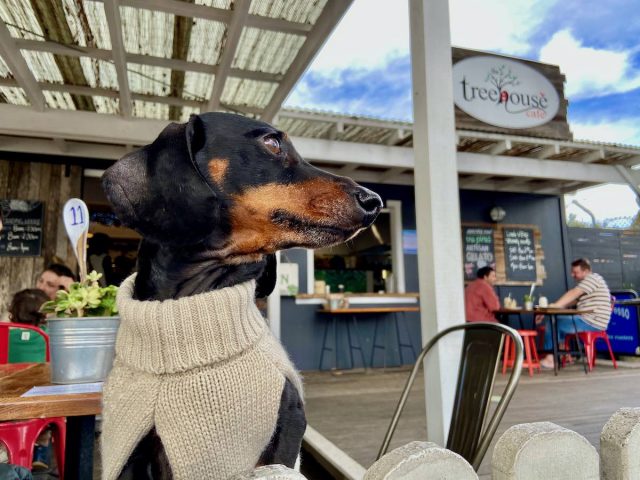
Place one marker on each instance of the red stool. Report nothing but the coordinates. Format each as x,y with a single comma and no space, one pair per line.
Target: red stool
531,359
20,438
588,339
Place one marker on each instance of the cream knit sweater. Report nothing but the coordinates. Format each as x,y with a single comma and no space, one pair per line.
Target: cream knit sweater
205,370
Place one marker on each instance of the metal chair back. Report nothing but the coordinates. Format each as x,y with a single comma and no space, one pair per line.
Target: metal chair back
4,339
469,434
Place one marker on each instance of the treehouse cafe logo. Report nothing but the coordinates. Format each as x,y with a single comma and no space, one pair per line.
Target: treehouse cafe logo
503,93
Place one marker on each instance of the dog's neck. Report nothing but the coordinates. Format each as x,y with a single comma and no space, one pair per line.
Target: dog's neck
175,272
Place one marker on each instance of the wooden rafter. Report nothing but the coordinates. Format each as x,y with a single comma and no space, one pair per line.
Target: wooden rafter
234,30
112,12
19,69
330,16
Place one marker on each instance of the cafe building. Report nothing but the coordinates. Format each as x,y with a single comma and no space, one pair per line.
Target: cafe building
78,95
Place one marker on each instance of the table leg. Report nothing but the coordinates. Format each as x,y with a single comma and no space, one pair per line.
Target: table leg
335,342
79,447
582,354
554,340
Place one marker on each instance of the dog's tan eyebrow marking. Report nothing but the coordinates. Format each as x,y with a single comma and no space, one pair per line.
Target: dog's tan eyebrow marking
218,169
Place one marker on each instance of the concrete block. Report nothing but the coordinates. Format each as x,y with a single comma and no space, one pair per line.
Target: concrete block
421,461
544,450
271,472
620,446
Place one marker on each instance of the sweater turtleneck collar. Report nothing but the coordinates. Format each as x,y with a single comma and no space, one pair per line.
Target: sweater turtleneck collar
178,335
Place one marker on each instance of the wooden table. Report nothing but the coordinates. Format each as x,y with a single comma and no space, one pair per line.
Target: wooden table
552,314
80,410
362,310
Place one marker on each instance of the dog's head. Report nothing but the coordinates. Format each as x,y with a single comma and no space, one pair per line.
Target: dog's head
237,186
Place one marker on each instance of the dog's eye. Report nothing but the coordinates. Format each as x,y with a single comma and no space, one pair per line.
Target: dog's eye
272,144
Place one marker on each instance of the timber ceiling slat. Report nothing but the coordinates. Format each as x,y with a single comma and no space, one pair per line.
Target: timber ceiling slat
51,17
180,51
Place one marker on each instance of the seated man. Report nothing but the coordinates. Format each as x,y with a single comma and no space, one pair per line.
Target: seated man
55,277
591,293
480,300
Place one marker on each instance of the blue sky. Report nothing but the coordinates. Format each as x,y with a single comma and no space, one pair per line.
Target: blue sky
364,68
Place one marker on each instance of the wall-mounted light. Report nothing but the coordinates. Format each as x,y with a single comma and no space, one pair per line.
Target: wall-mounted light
497,214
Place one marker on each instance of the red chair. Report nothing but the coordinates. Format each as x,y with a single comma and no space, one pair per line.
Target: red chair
20,438
588,339
4,339
531,359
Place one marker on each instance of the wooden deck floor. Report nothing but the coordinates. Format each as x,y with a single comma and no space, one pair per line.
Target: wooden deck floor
353,409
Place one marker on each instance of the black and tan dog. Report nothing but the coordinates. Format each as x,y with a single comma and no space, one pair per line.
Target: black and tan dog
213,200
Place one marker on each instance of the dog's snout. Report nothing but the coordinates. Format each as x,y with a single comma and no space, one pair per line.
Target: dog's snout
370,202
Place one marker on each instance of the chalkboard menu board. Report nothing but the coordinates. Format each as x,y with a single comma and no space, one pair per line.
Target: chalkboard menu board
519,254
22,232
478,249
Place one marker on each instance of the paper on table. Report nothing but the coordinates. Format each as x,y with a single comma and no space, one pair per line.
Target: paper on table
64,389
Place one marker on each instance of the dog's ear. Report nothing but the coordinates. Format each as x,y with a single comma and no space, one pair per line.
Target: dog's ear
266,282
158,191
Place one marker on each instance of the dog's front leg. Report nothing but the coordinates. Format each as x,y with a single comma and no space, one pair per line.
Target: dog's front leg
148,461
286,441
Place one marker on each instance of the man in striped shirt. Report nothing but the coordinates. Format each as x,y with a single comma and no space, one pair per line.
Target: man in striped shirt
591,293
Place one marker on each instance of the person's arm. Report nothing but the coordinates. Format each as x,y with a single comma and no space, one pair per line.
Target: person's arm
490,299
569,298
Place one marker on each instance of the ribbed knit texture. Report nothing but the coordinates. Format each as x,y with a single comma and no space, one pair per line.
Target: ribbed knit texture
205,370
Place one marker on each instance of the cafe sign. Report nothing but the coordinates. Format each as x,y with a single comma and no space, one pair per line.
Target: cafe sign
503,93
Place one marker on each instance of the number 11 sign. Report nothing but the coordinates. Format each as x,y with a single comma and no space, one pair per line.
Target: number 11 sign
76,221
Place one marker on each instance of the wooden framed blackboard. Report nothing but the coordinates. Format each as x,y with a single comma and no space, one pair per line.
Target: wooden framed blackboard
513,250
21,235
519,255
478,249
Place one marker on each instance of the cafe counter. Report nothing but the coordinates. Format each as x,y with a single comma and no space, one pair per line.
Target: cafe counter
304,328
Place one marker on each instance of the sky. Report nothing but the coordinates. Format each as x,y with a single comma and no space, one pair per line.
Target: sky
364,67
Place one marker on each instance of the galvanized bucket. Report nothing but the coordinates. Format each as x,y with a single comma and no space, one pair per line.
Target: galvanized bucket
82,349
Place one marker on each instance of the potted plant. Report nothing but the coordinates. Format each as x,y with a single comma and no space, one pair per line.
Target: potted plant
82,331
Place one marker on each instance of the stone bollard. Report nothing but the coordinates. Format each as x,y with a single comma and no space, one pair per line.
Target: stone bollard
271,472
620,446
421,461
544,450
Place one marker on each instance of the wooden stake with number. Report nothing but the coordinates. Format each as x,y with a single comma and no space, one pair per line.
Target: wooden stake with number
75,215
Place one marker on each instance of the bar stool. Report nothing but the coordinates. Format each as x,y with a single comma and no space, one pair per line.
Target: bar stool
400,344
352,346
531,359
589,338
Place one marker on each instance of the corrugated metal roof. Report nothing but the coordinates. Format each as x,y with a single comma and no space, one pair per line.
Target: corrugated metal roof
172,50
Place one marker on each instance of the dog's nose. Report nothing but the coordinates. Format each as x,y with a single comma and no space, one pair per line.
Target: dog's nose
370,202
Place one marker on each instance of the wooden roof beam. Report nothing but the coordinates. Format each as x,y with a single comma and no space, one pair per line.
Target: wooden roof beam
19,69
177,7
330,16
112,12
234,30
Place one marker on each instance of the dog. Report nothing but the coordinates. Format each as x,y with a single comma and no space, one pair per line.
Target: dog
214,199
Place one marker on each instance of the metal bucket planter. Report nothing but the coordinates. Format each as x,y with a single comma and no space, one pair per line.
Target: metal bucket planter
82,349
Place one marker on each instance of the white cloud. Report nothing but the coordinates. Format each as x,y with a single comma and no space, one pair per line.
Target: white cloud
370,32
589,71
604,201
625,131
496,25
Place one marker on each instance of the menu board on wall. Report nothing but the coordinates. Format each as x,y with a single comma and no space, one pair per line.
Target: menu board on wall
513,250
21,235
478,250
519,254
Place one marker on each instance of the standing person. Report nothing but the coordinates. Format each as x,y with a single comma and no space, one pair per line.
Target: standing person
591,293
55,277
480,299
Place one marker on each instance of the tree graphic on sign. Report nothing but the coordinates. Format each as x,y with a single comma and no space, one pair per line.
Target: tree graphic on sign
500,77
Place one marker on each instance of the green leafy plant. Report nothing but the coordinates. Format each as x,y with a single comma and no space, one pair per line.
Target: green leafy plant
84,299
528,298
